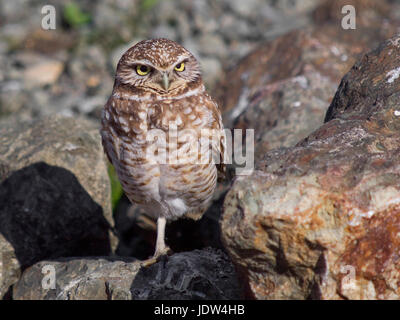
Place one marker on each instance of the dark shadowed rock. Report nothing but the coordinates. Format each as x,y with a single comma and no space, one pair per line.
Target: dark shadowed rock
138,231
370,90
321,220
54,193
73,144
46,213
205,274
199,274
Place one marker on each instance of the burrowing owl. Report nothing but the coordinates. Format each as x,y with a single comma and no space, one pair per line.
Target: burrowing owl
157,118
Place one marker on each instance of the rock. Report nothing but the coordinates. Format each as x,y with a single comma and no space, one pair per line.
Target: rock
10,269
221,27
45,212
193,46
11,98
218,33
163,31
212,71
321,220
286,57
117,53
205,274
248,9
369,13
324,49
79,279
212,45
199,274
301,68
44,73
90,104
89,61
286,111
138,232
54,190
294,7
54,43
104,13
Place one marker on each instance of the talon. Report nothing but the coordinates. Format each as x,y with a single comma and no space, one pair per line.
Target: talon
158,255
162,252
148,262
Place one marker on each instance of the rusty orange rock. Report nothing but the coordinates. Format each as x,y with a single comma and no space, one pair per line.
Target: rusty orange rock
321,219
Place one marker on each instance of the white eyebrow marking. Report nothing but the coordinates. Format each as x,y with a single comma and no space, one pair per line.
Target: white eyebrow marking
144,61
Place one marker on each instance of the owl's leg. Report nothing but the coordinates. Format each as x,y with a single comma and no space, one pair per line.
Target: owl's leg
160,244
161,247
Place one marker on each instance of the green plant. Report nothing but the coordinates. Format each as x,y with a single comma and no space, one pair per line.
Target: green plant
116,188
148,4
74,16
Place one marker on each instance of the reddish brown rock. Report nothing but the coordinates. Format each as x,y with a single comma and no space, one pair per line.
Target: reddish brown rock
321,220
262,80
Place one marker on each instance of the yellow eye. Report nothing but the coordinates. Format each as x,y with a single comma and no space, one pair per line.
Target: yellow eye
142,70
180,67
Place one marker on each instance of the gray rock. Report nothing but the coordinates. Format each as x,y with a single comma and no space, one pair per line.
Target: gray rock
193,46
212,45
10,268
117,53
245,8
54,190
212,71
285,112
79,279
12,99
294,6
164,31
205,274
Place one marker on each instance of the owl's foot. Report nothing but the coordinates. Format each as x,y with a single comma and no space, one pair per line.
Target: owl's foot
158,255
162,252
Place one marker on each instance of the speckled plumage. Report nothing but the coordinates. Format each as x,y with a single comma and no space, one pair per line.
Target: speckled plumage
140,105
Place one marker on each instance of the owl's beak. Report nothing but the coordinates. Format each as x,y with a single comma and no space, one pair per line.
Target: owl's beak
165,81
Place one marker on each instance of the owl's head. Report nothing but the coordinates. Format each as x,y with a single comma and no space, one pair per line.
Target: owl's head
158,65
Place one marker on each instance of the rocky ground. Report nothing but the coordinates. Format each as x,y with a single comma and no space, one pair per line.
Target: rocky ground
317,219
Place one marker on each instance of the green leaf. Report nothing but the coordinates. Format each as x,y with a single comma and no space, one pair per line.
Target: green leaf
148,4
74,16
116,188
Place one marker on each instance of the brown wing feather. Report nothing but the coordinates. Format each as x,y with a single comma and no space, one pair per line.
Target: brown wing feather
220,147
